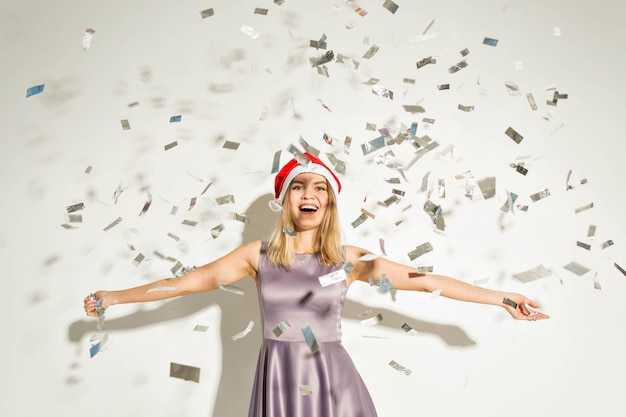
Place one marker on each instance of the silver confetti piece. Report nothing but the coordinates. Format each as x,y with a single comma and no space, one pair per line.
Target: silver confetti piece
576,268
359,220
591,230
177,266
309,337
531,101
261,11
75,207
231,145
207,13
249,31
487,187
413,108
382,91
408,329
332,277
457,67
200,328
188,373
170,145
138,259
227,199
372,321
540,195
308,148
289,231
583,245
583,208
125,124
322,58
276,162
282,327
373,145
173,210
395,365
426,61
87,38
189,222
243,333
146,205
533,274
391,6
301,157
606,244
510,132
371,52
619,268
215,232
464,52
113,224
465,108
420,250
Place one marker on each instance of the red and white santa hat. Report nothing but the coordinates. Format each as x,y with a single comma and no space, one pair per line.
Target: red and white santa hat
294,167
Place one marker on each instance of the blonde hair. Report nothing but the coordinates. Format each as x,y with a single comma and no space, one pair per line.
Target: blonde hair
327,237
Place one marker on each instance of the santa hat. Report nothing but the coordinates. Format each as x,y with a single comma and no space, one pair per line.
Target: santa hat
295,167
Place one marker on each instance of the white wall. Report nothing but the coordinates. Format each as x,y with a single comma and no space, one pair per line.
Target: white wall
264,94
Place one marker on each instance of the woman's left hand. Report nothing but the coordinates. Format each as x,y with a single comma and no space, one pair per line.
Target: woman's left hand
522,308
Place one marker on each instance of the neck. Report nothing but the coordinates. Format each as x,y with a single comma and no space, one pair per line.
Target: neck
304,242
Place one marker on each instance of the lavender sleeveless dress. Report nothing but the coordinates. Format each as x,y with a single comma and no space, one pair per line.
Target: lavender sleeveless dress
292,380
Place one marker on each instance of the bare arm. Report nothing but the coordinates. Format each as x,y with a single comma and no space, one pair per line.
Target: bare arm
405,277
238,264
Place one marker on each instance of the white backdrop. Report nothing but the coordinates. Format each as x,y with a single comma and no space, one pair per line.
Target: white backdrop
150,60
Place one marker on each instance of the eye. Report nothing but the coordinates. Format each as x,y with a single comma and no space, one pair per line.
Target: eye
296,187
320,188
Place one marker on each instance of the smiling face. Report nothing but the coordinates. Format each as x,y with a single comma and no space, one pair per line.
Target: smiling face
308,200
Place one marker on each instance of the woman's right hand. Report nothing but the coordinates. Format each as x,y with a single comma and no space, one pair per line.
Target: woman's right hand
96,303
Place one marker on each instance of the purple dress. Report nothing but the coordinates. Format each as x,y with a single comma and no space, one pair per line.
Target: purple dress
293,380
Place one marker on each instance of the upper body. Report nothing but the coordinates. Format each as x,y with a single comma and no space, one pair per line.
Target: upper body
309,223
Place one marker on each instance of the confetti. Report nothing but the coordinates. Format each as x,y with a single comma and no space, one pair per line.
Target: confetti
231,145
576,268
420,250
373,145
175,119
332,277
607,244
215,232
509,302
591,230
382,91
188,373
425,61
457,67
510,132
408,329
171,145
465,108
490,41
359,220
322,58
289,231
97,346
443,87
75,207
487,187
619,268
391,6
125,124
206,13
282,327
146,205
34,90
540,195
138,259
112,224
583,245
173,236
200,328
395,365
227,199
87,38
189,222
531,101
309,337
372,321
305,389
250,31
533,274
583,208
243,333
371,52
261,11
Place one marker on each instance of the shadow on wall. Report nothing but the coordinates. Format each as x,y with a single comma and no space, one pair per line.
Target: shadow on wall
239,358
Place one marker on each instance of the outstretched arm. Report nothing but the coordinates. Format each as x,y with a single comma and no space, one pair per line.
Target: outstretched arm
405,277
238,264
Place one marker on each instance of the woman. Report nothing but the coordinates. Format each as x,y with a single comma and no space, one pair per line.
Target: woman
302,275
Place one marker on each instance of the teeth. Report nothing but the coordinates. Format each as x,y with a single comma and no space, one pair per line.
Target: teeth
308,208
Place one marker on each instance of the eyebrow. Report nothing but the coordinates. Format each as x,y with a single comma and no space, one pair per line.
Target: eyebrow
316,182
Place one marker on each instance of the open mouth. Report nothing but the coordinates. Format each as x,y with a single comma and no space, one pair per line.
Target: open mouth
308,208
